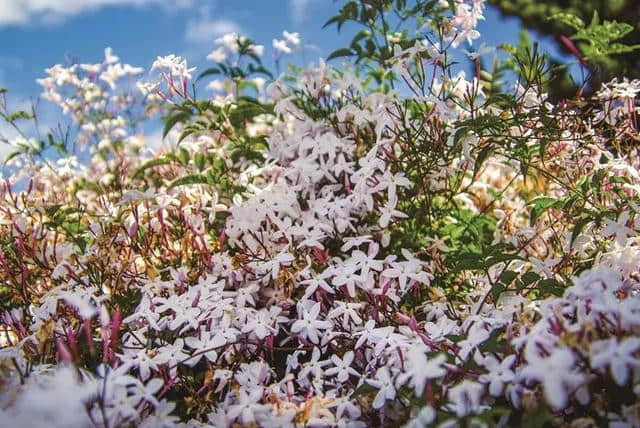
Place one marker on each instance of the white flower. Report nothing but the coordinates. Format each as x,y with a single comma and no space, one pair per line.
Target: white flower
372,334
256,49
618,228
172,354
466,398
348,312
366,262
281,46
406,271
174,65
203,347
217,55
481,51
422,419
161,416
344,406
273,265
389,211
293,38
259,82
500,373
419,369
557,373
143,361
136,195
248,406
309,326
81,300
262,322
109,57
384,383
315,367
313,284
544,267
55,399
355,241
618,355
230,41
342,367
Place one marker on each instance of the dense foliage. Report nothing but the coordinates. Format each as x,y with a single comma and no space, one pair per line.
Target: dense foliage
384,242
536,15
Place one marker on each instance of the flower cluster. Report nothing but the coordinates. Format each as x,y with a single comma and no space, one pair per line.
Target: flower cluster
336,254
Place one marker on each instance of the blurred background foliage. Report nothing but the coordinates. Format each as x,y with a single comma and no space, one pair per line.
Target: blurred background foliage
536,14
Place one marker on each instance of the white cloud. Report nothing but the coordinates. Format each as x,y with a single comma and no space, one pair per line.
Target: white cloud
23,12
206,30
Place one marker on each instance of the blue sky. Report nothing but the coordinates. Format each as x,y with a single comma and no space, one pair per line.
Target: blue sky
36,34
39,33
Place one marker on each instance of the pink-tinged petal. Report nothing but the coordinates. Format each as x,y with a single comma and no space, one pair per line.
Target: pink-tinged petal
379,400
297,326
313,336
555,393
145,371
620,372
315,311
348,358
495,387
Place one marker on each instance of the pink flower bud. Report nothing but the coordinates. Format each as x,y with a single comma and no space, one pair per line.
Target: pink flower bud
63,352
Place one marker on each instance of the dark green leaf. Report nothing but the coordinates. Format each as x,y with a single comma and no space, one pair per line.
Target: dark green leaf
340,53
188,179
208,72
151,164
539,206
20,114
173,119
482,156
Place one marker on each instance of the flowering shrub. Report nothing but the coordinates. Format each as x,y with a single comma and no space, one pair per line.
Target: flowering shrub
384,243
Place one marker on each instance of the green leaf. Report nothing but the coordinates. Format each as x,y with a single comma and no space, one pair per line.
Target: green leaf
340,53
507,277
185,134
60,147
364,389
551,286
151,164
189,179
536,418
208,72
619,48
539,206
361,35
566,18
20,114
600,38
12,155
527,279
260,70
199,161
173,119
333,19
183,157
496,290
482,156
577,229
